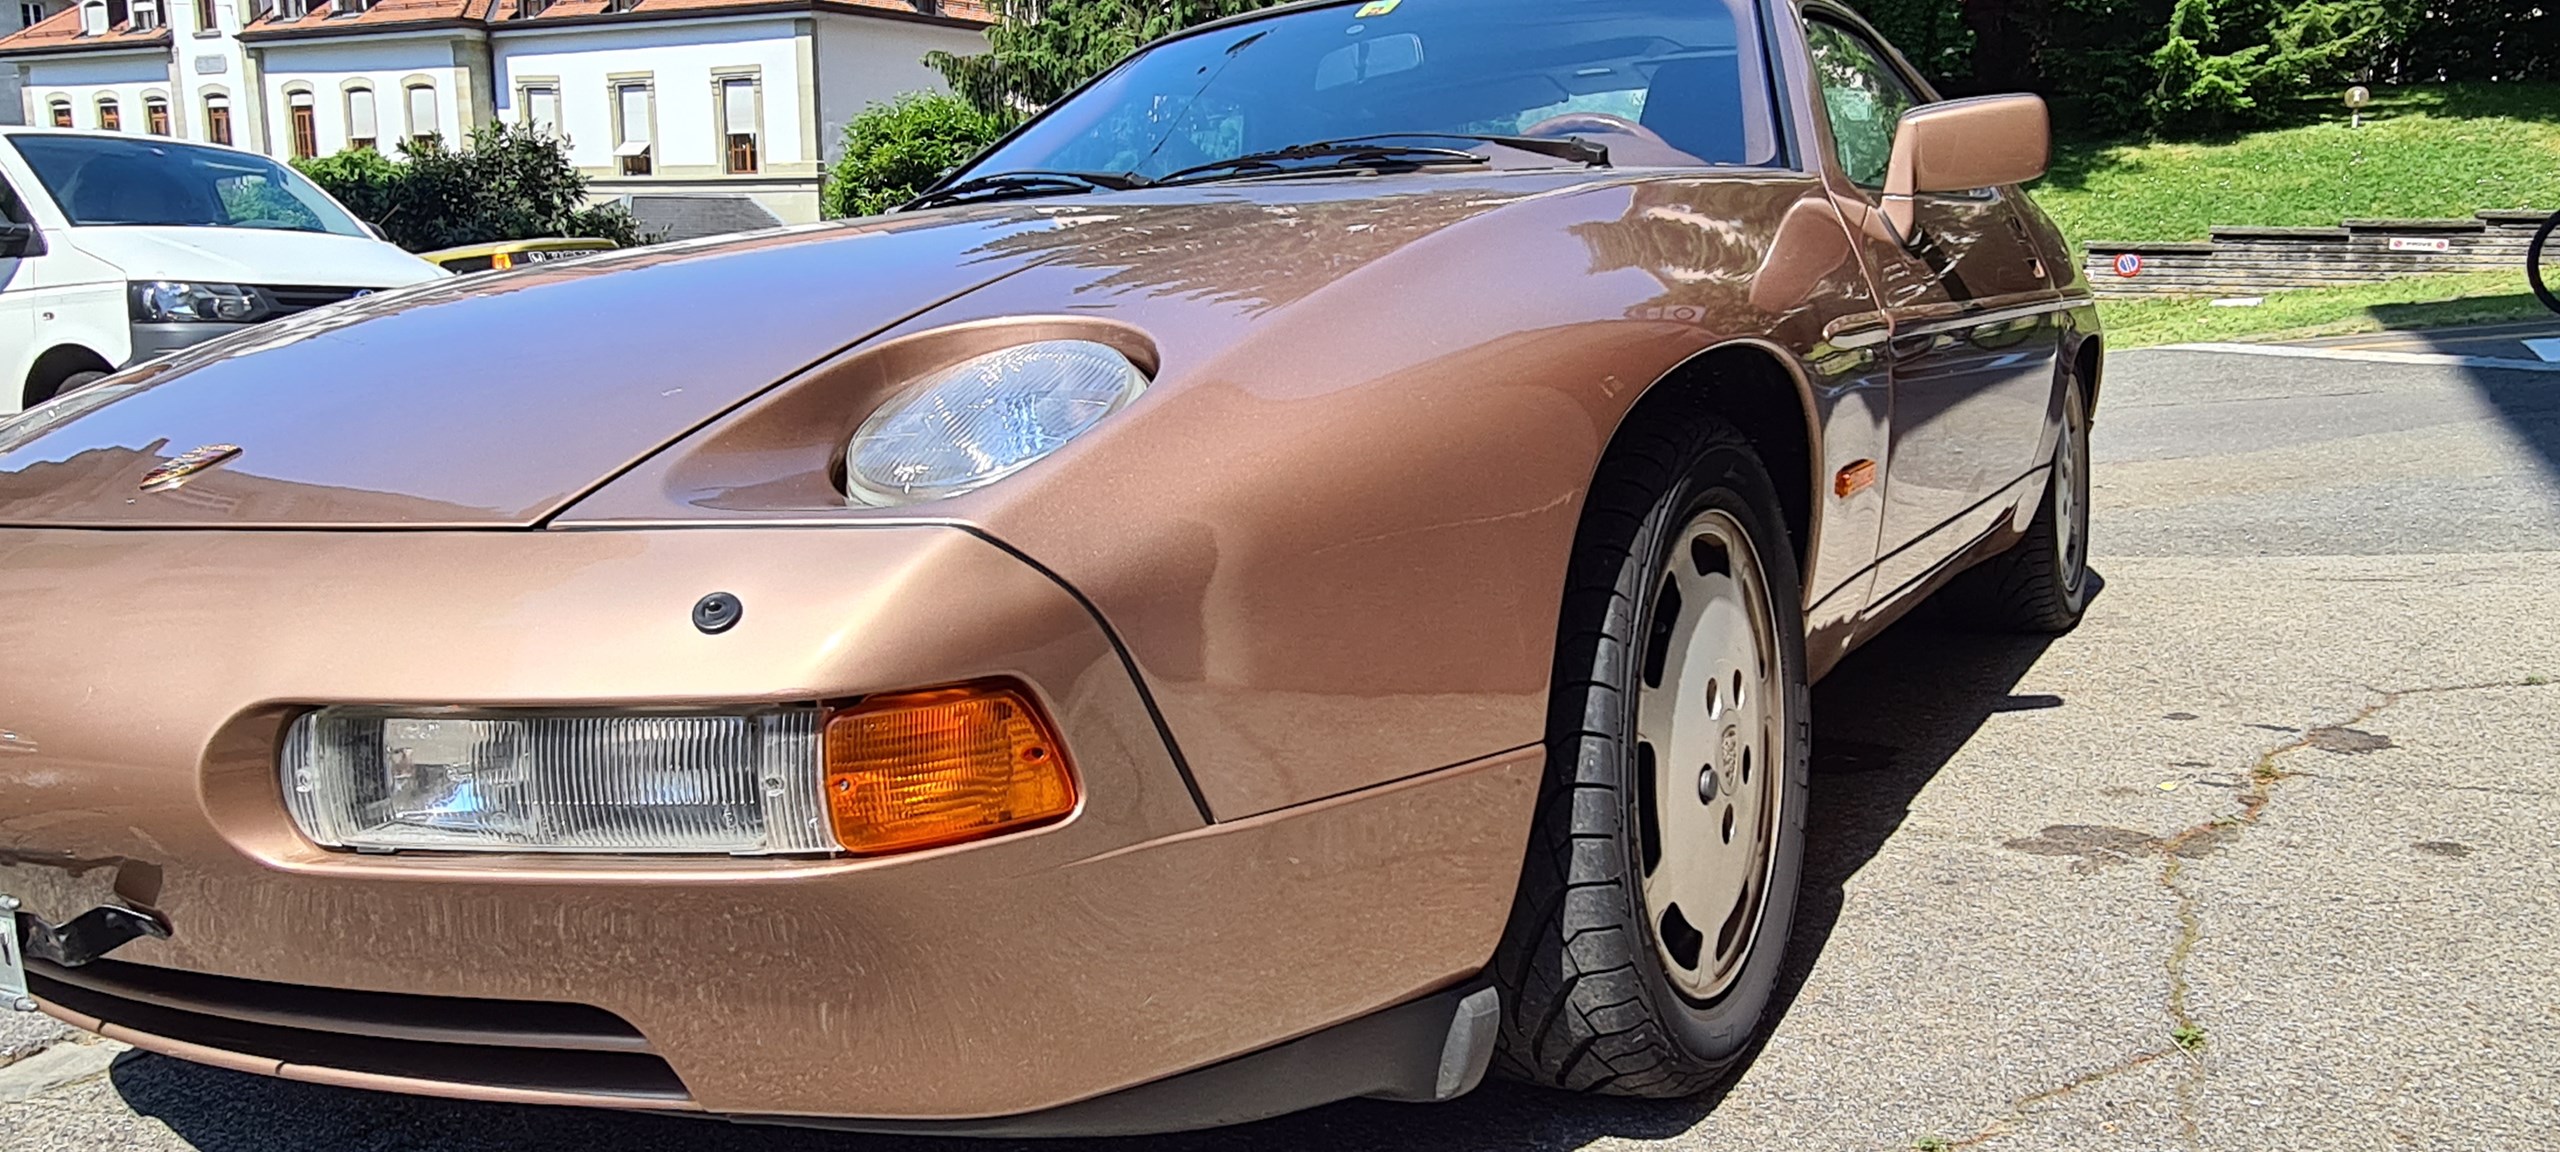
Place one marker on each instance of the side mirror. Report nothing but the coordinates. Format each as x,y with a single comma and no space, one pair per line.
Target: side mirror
20,240
1962,145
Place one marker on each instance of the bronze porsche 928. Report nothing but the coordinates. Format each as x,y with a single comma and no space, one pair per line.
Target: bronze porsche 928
1292,576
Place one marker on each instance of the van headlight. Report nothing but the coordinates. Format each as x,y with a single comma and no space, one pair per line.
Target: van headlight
184,302
985,418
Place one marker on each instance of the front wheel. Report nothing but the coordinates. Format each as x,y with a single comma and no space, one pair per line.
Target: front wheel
1660,887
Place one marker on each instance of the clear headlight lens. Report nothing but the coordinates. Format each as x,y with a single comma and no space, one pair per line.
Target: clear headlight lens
179,302
743,784
985,418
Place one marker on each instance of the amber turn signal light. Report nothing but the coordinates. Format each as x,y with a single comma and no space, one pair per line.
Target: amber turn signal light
922,769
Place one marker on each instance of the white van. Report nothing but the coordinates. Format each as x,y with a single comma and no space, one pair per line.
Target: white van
117,248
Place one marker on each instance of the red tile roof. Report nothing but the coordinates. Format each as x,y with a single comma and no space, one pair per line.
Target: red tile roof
971,11
60,32
326,18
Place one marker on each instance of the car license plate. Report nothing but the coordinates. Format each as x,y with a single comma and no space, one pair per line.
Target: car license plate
13,971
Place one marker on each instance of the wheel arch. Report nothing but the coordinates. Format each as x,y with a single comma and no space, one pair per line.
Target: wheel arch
54,365
1762,391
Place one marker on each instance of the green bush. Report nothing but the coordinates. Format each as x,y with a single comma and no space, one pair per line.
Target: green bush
893,151
512,183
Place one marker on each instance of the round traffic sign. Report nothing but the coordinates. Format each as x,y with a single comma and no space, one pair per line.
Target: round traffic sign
2129,265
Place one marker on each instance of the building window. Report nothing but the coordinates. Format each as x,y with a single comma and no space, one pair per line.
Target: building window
349,7
306,125
528,9
206,20
634,107
217,119
292,9
155,115
61,113
109,118
361,126
422,115
146,15
93,18
620,5
30,15
738,124
541,105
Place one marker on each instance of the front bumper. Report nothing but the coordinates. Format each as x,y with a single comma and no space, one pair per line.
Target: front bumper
153,341
150,674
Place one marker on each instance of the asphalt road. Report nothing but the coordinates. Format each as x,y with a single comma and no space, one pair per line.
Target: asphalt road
2263,856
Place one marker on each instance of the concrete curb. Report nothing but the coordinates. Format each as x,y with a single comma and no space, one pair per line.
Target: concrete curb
54,1067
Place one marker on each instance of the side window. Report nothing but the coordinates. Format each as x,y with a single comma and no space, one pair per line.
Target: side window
1864,96
10,210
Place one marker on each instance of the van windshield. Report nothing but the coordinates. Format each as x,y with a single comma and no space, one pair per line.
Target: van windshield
101,181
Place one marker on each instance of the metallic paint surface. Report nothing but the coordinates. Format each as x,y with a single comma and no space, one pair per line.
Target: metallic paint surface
1393,612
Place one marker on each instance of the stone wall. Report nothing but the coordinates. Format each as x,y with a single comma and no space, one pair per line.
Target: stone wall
2254,261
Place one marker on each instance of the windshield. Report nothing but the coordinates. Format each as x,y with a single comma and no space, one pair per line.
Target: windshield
1658,82
100,181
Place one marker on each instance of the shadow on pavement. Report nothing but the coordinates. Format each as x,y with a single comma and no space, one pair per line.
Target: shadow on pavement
1886,721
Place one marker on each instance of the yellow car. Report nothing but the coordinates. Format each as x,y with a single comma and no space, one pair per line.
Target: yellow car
507,254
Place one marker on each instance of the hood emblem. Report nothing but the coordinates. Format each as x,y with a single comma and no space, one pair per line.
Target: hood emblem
178,471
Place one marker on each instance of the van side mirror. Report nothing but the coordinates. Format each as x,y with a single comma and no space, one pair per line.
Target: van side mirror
20,239
1962,145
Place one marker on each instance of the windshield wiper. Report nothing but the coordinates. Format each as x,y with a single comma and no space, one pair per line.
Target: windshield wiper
1337,153
1584,152
1030,182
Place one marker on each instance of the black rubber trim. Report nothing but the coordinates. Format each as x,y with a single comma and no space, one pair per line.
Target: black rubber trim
633,1075
1422,1051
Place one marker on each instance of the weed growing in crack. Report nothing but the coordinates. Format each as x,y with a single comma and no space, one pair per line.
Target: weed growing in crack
2536,681
1931,1144
2188,1036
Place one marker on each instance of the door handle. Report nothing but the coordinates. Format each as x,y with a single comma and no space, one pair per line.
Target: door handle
1907,347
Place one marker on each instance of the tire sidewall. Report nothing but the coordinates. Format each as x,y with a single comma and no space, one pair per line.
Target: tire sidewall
1732,480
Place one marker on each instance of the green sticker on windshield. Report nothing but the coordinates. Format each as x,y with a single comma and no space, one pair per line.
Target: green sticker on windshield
1375,8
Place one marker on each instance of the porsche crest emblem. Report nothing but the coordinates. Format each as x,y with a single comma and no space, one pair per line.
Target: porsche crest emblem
178,471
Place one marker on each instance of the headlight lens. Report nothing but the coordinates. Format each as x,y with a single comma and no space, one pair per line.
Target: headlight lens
743,784
985,418
180,302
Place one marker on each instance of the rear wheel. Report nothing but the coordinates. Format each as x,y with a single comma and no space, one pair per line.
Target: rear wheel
2042,583
1660,887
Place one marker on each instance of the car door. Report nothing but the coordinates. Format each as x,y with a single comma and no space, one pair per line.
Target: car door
17,303
1971,306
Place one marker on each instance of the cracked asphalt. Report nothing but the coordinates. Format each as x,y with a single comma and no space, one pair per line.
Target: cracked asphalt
2264,855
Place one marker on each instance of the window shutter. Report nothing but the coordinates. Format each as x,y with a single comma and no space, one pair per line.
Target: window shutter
542,106
635,114
422,111
360,114
738,98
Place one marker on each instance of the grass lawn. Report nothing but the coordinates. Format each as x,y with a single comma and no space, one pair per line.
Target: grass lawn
2410,302
2436,151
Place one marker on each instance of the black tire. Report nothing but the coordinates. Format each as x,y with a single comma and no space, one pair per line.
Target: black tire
70,383
1588,1002
2041,584
2533,263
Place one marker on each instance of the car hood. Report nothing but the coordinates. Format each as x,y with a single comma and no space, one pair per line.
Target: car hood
495,401
253,256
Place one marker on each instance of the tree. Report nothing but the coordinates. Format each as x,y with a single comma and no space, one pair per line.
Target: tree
1040,50
893,151
513,183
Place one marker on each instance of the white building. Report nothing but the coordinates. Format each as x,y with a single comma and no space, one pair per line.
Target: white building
739,98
